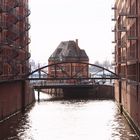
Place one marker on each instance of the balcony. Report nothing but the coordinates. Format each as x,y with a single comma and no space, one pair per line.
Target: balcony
28,12
132,54
114,7
0,29
28,55
27,26
27,41
131,15
4,7
15,53
114,63
114,41
3,42
123,13
119,46
122,59
20,3
128,14
114,30
132,37
122,28
122,75
21,17
5,25
132,60
13,34
132,78
114,18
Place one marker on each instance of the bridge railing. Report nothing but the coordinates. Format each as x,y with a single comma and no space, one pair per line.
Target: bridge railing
44,83
67,82
95,75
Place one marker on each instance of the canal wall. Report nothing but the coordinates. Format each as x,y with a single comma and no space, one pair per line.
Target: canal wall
76,92
129,100
102,92
98,91
14,97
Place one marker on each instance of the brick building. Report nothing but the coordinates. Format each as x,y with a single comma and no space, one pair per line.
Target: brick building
15,92
14,26
127,56
69,51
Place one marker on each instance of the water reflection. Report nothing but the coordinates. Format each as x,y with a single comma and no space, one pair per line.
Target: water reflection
68,120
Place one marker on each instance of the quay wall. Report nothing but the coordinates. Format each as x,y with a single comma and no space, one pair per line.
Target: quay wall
14,97
100,91
130,102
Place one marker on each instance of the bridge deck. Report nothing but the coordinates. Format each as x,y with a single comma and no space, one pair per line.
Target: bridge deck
63,86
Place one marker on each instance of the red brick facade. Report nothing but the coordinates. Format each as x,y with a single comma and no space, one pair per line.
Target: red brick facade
127,55
69,51
14,26
15,93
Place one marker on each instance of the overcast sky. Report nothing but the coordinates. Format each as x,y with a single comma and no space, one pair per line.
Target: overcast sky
53,21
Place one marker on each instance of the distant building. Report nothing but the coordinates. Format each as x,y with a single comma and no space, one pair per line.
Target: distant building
69,51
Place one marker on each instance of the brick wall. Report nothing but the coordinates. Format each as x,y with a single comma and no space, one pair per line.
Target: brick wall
12,98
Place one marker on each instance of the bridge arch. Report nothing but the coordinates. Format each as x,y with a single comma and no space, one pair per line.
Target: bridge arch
62,85
96,72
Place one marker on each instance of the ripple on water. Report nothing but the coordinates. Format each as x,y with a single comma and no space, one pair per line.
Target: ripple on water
70,120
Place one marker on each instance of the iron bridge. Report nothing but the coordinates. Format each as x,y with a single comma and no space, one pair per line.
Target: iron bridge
41,78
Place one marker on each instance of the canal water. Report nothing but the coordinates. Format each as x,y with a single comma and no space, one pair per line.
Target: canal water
68,120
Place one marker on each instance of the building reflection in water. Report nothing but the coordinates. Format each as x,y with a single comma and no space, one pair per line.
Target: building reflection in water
69,120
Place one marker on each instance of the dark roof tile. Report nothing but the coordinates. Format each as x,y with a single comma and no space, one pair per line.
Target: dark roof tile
67,50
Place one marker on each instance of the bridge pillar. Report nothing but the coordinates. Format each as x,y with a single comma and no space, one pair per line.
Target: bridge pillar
120,95
38,92
23,95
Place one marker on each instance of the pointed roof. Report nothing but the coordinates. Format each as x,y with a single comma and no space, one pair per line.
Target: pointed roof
69,50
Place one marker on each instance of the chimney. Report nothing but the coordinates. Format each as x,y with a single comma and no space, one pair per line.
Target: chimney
77,48
76,42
